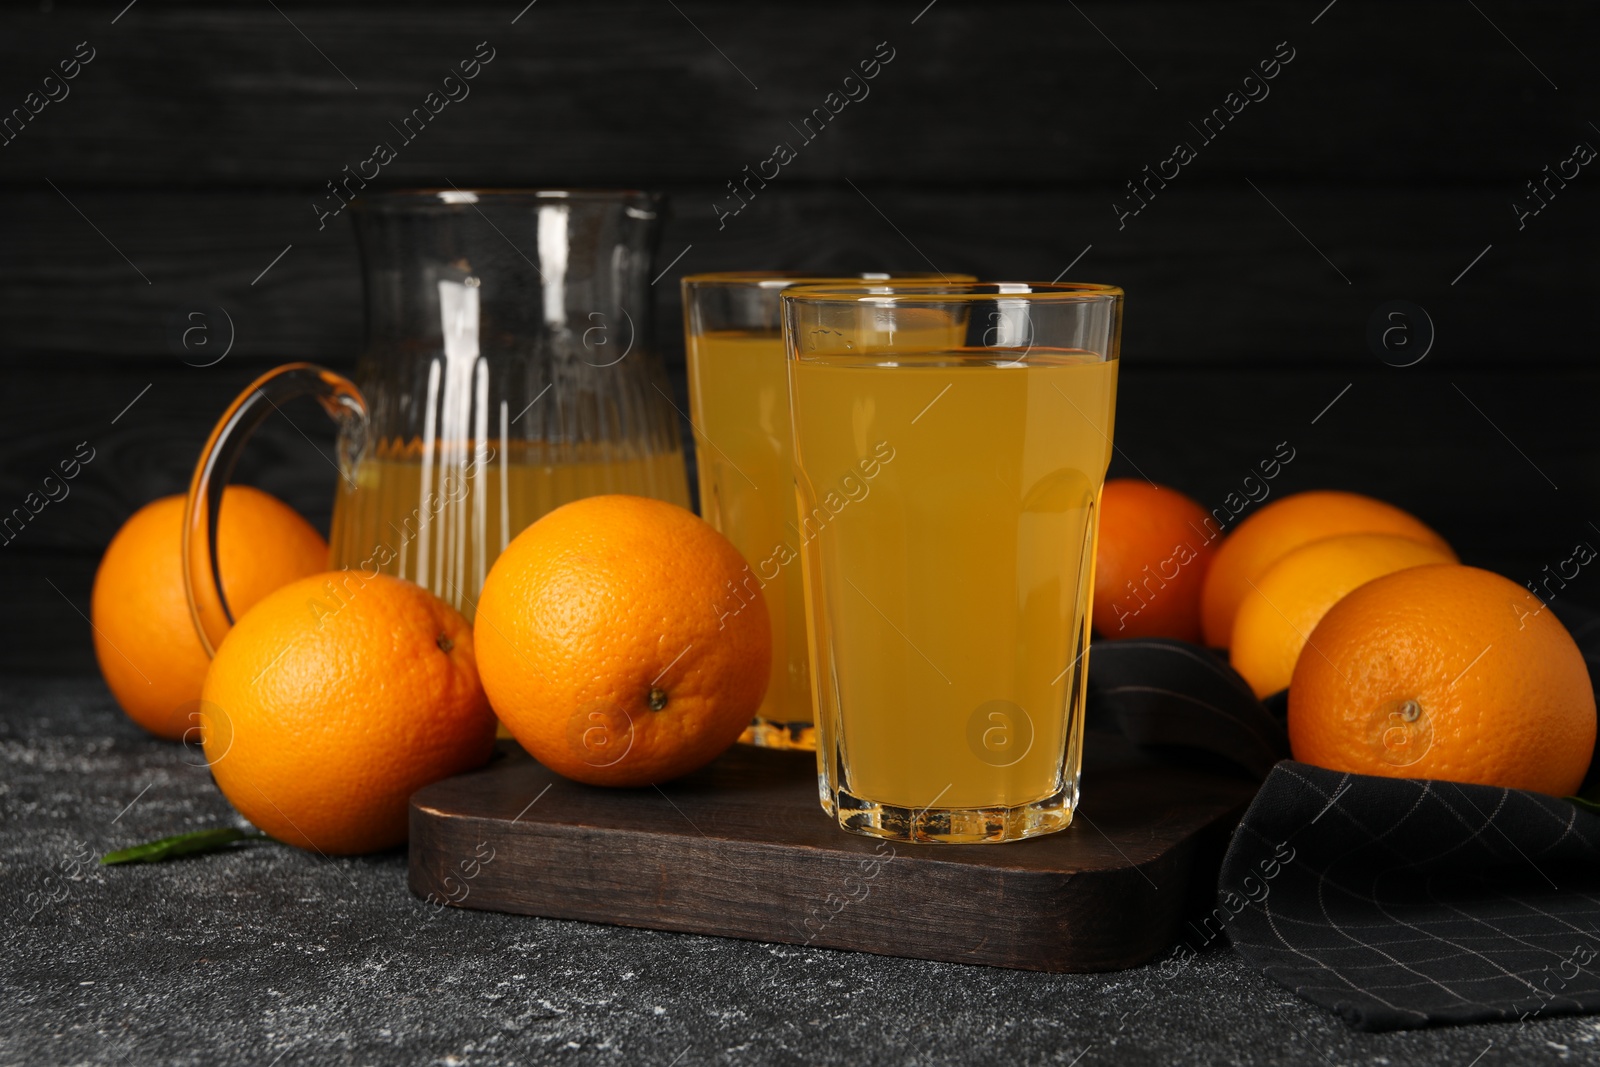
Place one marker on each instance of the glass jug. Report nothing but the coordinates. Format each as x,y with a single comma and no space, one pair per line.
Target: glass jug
508,368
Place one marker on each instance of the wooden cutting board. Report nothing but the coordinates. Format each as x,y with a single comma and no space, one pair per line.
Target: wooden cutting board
742,849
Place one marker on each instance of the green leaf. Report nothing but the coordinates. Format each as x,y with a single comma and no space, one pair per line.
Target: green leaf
1585,803
182,845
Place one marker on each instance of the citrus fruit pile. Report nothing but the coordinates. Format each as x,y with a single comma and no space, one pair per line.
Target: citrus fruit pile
1397,659
605,639
623,642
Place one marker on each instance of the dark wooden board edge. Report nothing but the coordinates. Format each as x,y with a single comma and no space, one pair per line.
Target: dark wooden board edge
897,900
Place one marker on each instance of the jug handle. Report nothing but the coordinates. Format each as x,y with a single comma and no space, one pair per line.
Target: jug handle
202,575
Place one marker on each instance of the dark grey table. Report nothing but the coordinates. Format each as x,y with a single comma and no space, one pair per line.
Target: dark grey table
271,956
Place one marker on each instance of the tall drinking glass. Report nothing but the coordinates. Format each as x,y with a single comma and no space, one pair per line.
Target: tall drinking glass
948,497
739,400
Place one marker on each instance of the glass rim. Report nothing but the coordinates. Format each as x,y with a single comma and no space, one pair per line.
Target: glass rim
788,279
457,197
951,292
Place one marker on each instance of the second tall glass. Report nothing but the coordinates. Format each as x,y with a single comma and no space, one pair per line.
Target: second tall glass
739,399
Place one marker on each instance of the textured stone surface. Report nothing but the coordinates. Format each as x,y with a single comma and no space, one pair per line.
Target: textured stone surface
267,955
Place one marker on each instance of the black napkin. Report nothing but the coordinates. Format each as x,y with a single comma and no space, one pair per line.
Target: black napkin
1396,903
1405,903
1172,695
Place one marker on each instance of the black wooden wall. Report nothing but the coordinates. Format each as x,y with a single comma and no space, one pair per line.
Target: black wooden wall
1387,158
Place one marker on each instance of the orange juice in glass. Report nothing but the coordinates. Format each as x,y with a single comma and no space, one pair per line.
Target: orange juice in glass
949,604
739,403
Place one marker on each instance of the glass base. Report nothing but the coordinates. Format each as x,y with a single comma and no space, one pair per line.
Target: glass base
825,795
769,733
953,826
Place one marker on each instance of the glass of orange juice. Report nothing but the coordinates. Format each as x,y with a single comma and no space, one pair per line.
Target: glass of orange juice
739,404
951,442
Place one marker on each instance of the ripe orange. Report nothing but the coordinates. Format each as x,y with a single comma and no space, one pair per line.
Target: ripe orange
623,641
1285,604
1150,562
143,635
1445,671
333,700
1271,533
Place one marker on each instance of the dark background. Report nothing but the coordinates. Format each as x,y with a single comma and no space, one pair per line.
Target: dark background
1385,160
